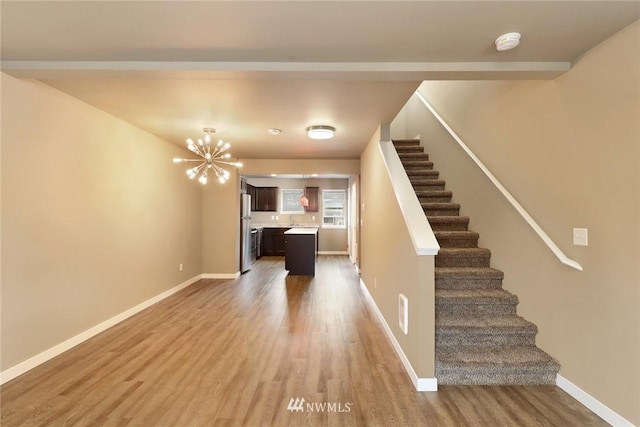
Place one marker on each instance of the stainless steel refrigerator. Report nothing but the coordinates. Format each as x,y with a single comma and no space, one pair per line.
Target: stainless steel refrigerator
246,258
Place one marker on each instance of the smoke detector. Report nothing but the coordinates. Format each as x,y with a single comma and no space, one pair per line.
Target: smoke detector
507,41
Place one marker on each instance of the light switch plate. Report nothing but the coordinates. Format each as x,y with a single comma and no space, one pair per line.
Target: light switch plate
581,237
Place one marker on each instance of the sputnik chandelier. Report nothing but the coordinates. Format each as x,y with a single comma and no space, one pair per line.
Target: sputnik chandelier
211,157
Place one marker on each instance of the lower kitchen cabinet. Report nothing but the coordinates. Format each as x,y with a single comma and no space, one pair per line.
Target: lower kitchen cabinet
274,241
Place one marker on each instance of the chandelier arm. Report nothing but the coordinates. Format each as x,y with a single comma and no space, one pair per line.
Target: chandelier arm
226,163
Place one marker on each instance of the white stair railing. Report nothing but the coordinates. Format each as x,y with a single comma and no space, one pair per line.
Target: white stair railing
518,207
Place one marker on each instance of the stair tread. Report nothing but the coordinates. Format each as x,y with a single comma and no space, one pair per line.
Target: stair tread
401,142
413,155
464,251
445,219
420,172
494,356
434,193
469,273
456,234
484,324
475,296
435,205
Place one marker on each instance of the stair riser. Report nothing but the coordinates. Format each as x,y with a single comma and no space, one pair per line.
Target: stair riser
409,149
461,284
458,261
458,243
422,174
441,212
406,142
475,339
488,309
424,187
453,225
494,376
413,156
434,199
418,167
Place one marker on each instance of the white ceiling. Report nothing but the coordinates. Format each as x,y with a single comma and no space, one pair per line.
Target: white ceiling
243,67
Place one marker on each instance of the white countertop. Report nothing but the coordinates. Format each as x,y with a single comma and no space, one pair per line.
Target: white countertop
302,230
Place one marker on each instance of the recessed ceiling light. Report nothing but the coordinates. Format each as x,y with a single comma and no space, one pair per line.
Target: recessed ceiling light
275,131
507,41
320,132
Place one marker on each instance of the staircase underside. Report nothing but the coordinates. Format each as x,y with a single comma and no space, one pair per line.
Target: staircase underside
479,337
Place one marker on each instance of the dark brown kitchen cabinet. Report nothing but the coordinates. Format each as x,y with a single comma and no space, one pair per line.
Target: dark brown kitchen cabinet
274,241
265,199
312,196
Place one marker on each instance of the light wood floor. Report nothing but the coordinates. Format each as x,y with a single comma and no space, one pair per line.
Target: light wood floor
224,353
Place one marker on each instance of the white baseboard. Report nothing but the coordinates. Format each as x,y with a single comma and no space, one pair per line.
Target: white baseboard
421,384
593,404
232,276
333,253
27,365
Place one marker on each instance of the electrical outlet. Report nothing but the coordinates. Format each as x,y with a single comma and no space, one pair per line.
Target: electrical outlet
375,283
272,217
180,266
581,237
313,217
276,217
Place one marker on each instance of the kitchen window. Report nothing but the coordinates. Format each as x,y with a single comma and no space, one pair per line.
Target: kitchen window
334,208
290,201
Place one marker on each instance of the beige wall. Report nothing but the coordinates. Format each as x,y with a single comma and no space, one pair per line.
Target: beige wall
330,239
569,151
389,264
95,218
221,227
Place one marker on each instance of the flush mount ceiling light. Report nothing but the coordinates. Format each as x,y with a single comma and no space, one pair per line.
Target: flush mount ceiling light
274,131
507,41
320,132
210,159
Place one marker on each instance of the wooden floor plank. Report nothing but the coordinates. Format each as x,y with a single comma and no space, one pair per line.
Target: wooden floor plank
236,352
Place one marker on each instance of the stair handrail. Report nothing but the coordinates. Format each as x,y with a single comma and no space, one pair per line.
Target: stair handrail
518,207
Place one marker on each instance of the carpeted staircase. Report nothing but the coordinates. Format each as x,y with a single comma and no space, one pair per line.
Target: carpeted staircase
479,337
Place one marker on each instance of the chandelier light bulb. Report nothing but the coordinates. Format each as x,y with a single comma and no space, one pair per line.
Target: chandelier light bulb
211,158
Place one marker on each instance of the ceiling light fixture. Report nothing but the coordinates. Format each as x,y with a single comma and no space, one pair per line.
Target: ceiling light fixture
320,132
274,131
211,159
507,41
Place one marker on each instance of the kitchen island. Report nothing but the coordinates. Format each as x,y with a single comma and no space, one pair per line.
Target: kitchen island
301,251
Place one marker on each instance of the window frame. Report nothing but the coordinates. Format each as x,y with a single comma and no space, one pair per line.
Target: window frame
344,215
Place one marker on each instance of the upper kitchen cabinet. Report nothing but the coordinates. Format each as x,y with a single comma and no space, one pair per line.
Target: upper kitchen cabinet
312,195
265,199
